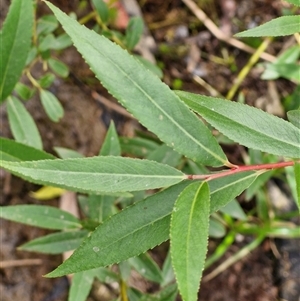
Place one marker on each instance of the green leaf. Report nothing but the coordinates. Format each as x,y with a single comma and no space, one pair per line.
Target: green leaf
24,91
295,2
167,271
40,216
146,267
56,243
31,55
125,270
58,67
290,56
111,145
282,26
291,181
144,225
66,153
99,207
46,42
97,174
46,80
288,71
225,189
144,95
106,276
166,155
51,105
138,147
56,43
11,150
297,177
216,229
189,238
134,31
294,117
22,124
61,42
102,10
15,42
257,184
247,125
234,210
81,286
168,293
46,24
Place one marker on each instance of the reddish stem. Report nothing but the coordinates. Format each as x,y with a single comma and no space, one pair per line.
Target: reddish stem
238,169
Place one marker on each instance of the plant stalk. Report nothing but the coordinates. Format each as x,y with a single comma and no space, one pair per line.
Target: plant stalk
238,169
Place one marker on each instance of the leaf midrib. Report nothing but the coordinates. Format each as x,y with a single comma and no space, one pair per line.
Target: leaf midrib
95,173
234,183
153,101
189,232
132,232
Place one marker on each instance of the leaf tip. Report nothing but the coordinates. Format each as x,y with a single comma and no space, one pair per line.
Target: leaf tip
55,273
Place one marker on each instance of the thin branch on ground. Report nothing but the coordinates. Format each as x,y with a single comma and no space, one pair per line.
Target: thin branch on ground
111,105
19,263
212,27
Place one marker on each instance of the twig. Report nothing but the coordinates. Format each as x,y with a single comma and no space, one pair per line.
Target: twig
19,263
109,104
220,35
238,169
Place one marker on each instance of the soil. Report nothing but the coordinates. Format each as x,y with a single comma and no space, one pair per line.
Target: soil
260,276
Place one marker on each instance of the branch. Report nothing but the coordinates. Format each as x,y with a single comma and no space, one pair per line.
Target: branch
238,169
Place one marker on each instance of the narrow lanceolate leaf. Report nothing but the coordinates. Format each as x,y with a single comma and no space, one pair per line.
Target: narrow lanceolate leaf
165,154
146,267
224,190
189,238
40,216
144,95
134,31
66,153
144,226
97,174
297,177
247,125
111,145
15,42
81,285
281,26
56,243
22,124
138,147
11,150
102,9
